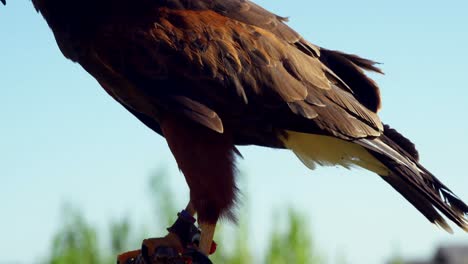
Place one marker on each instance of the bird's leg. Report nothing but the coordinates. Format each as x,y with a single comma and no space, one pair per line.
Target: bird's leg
207,160
190,209
206,238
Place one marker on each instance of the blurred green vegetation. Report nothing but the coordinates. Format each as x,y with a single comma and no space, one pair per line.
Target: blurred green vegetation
78,242
397,261
293,245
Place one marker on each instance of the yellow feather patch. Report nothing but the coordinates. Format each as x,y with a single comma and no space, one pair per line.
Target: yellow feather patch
321,150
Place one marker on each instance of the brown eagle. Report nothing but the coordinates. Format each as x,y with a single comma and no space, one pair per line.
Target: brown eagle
210,75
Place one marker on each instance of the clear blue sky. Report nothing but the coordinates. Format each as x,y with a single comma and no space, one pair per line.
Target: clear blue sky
63,139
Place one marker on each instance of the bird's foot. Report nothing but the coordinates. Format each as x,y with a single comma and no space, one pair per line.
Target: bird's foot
179,246
165,255
166,250
163,250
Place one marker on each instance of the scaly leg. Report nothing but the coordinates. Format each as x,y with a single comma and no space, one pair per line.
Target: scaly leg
206,239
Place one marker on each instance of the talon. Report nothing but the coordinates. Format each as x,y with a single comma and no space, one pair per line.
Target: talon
183,235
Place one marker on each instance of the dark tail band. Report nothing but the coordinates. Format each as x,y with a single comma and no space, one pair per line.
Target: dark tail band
422,189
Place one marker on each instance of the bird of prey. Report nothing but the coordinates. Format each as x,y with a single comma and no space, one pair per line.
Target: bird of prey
211,75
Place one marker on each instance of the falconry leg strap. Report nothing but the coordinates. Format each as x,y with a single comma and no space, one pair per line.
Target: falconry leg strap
184,227
189,235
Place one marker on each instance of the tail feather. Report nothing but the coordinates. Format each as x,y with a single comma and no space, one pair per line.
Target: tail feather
395,159
422,189
417,200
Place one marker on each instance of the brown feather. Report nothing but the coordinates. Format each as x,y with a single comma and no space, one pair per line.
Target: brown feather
196,149
349,69
404,144
422,189
209,74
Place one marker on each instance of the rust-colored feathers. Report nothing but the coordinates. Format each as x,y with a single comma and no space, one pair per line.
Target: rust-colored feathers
237,69
230,64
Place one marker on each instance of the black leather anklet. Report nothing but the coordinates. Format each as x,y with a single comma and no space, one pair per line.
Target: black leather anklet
184,227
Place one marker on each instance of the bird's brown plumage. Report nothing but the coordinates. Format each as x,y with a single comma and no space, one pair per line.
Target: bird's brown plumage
231,67
234,70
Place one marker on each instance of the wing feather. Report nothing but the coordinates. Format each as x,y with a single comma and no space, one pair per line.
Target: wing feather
231,64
